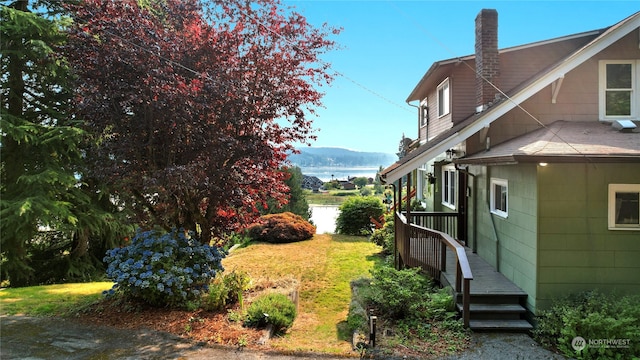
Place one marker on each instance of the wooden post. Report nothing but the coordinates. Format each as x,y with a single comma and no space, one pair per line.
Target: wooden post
458,276
466,302
461,222
397,202
443,257
408,198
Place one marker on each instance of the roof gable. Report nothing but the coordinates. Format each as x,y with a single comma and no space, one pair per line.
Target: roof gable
440,68
476,122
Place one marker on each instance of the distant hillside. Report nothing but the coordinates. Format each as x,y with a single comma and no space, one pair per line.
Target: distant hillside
339,157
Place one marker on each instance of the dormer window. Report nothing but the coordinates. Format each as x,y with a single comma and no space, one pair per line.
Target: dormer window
443,98
619,89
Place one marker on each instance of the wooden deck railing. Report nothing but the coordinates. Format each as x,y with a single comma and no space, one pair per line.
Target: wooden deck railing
379,222
441,221
419,246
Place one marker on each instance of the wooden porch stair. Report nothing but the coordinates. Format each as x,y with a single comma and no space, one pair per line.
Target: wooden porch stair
496,303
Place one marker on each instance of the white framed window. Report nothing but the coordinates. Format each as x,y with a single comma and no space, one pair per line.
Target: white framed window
443,98
499,197
449,186
424,113
618,89
624,207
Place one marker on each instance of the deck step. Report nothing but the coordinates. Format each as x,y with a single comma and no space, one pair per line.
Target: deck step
494,308
500,325
495,298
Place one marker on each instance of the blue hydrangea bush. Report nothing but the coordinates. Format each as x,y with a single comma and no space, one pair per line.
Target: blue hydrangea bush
163,269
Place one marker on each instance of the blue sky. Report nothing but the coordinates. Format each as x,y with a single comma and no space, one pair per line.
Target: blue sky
387,46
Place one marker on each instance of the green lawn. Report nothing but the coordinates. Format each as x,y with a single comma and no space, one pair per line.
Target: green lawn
332,197
324,266
50,300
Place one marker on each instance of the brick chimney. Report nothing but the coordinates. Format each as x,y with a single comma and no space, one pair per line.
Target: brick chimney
487,60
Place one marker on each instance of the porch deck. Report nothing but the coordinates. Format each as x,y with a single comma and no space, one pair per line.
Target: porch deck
485,298
486,280
497,304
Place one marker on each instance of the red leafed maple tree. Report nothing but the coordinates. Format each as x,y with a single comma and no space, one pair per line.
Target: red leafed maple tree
194,105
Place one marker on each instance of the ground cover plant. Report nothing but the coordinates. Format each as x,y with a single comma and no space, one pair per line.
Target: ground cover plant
592,315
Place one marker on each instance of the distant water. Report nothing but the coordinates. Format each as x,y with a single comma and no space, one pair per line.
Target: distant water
324,218
325,173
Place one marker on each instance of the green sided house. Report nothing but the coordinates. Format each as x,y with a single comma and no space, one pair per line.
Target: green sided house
528,163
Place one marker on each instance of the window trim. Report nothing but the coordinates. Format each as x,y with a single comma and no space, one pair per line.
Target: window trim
611,207
449,193
504,183
424,113
445,109
635,90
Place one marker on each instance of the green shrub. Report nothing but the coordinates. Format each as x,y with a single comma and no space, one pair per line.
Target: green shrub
592,316
398,293
216,298
282,228
356,213
271,309
163,268
385,236
240,238
226,289
409,299
366,191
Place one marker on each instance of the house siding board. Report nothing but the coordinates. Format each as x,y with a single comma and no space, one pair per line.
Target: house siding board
516,234
518,66
462,92
625,48
576,251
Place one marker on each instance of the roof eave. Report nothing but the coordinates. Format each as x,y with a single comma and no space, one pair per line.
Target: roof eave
549,159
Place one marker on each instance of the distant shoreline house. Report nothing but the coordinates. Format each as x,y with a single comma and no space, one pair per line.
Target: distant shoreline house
311,182
536,151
